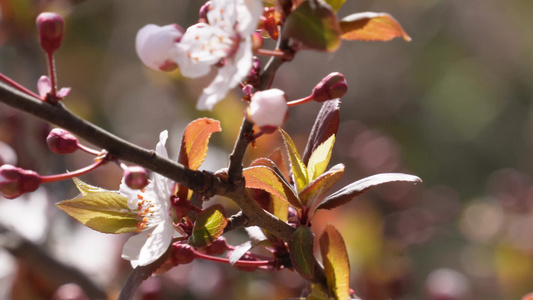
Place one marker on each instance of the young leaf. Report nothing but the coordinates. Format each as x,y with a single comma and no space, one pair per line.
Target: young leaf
347,193
266,179
301,251
106,212
195,140
370,26
86,189
319,186
298,168
336,264
314,24
279,208
319,160
281,162
209,225
335,4
326,125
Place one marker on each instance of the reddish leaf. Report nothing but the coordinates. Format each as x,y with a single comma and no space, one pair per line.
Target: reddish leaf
370,26
336,264
279,159
315,24
320,185
301,251
195,140
326,125
266,179
347,193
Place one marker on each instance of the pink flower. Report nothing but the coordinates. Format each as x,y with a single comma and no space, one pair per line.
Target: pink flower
226,40
154,45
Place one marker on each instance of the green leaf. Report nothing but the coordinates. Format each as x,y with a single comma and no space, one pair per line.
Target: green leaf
85,188
315,24
335,4
298,168
266,179
319,160
319,186
370,26
106,212
301,251
209,225
336,264
347,193
195,140
326,125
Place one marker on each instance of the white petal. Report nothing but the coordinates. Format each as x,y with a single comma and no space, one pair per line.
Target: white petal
130,194
156,244
248,14
44,86
132,248
154,44
268,108
218,89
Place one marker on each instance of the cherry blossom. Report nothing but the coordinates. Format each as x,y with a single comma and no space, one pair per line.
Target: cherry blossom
154,45
155,226
268,109
226,41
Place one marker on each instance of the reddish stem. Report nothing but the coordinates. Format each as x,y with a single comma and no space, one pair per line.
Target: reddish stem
19,87
64,176
239,263
300,101
275,53
52,72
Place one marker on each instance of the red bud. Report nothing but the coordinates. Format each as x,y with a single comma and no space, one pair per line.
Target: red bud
61,141
331,87
135,177
16,181
51,28
182,254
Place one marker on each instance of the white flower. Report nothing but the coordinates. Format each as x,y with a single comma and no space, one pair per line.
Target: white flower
226,39
268,108
156,227
154,45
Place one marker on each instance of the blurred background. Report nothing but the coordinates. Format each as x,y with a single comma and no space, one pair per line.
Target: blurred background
453,106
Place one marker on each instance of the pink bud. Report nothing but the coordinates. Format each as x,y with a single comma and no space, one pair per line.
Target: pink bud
51,28
154,45
135,177
61,141
182,254
16,181
268,109
331,87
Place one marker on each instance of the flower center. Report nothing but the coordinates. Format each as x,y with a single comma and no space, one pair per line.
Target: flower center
148,209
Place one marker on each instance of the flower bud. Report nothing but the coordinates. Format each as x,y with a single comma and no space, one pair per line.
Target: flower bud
16,181
61,141
154,46
268,109
331,87
182,254
135,177
51,28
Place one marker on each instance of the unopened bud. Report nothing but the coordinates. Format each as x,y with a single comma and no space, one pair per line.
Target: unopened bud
51,28
16,181
331,87
135,177
182,254
61,141
268,109
154,46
